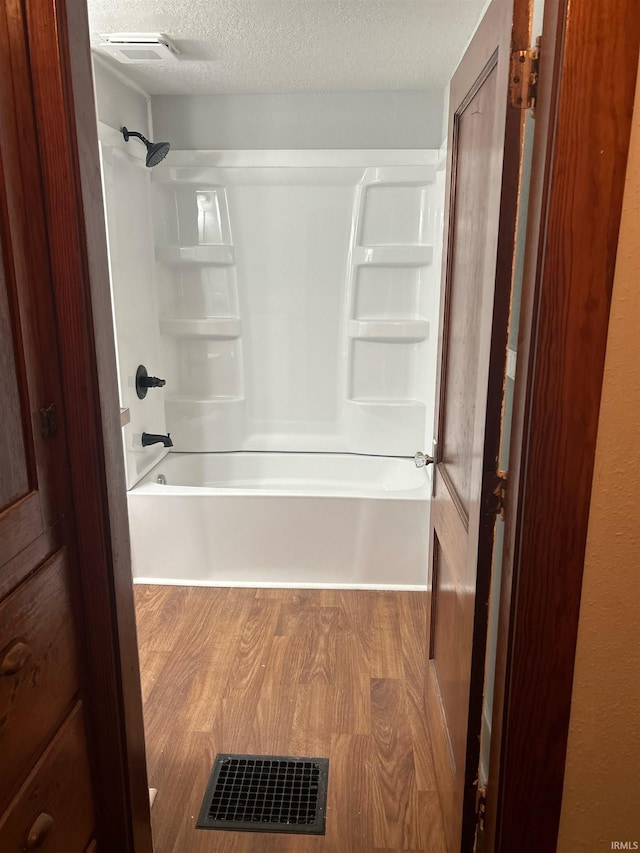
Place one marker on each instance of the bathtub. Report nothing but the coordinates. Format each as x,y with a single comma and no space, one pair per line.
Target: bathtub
281,519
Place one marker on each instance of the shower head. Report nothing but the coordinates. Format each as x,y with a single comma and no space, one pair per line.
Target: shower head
156,151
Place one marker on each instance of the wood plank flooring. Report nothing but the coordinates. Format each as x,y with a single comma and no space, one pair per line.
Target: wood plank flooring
328,673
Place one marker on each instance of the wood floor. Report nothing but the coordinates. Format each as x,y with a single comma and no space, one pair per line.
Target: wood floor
327,673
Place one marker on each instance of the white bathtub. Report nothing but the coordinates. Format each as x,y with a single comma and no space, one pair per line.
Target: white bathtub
281,519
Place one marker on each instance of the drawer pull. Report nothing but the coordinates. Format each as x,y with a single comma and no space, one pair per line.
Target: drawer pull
40,828
14,658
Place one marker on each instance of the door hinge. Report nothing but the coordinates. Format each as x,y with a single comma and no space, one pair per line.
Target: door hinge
481,809
523,78
48,424
500,492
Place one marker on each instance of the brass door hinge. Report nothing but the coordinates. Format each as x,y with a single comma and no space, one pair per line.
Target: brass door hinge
500,492
523,78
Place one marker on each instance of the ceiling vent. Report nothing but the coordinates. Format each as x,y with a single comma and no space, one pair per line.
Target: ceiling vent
138,47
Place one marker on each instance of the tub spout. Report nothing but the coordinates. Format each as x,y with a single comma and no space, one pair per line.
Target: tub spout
149,438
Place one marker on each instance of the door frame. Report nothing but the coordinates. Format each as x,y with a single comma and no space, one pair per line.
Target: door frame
580,96
588,67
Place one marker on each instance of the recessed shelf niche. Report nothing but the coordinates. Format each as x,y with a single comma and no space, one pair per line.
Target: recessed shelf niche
393,215
389,293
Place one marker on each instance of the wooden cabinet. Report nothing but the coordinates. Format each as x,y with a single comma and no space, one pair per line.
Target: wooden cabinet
38,669
53,811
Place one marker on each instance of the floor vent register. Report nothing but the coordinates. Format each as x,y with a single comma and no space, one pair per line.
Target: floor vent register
266,793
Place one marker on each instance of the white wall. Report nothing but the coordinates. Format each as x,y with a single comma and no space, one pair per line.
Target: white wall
117,103
445,115
360,120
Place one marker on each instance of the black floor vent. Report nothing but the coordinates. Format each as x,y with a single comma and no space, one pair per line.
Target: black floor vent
266,793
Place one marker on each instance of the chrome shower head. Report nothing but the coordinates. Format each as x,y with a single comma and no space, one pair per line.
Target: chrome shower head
156,151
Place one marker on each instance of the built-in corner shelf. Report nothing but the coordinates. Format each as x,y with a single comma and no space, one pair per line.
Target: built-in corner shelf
389,331
207,255
218,328
388,303
393,256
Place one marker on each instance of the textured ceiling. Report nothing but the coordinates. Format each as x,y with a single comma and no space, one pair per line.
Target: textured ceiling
295,45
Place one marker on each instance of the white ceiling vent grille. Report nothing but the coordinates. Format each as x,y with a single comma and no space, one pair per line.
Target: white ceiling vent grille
139,47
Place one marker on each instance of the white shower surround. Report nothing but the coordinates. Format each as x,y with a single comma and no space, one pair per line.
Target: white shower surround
296,298
273,338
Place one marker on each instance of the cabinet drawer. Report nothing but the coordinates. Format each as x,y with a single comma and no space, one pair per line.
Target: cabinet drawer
38,669
53,811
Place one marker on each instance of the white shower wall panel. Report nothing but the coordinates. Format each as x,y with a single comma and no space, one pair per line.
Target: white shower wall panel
296,294
292,252
128,208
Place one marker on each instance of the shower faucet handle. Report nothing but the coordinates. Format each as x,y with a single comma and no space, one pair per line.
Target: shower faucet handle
144,382
153,382
421,459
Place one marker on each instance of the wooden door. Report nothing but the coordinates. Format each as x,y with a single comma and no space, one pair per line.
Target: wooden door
29,382
63,752
63,534
484,168
43,713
